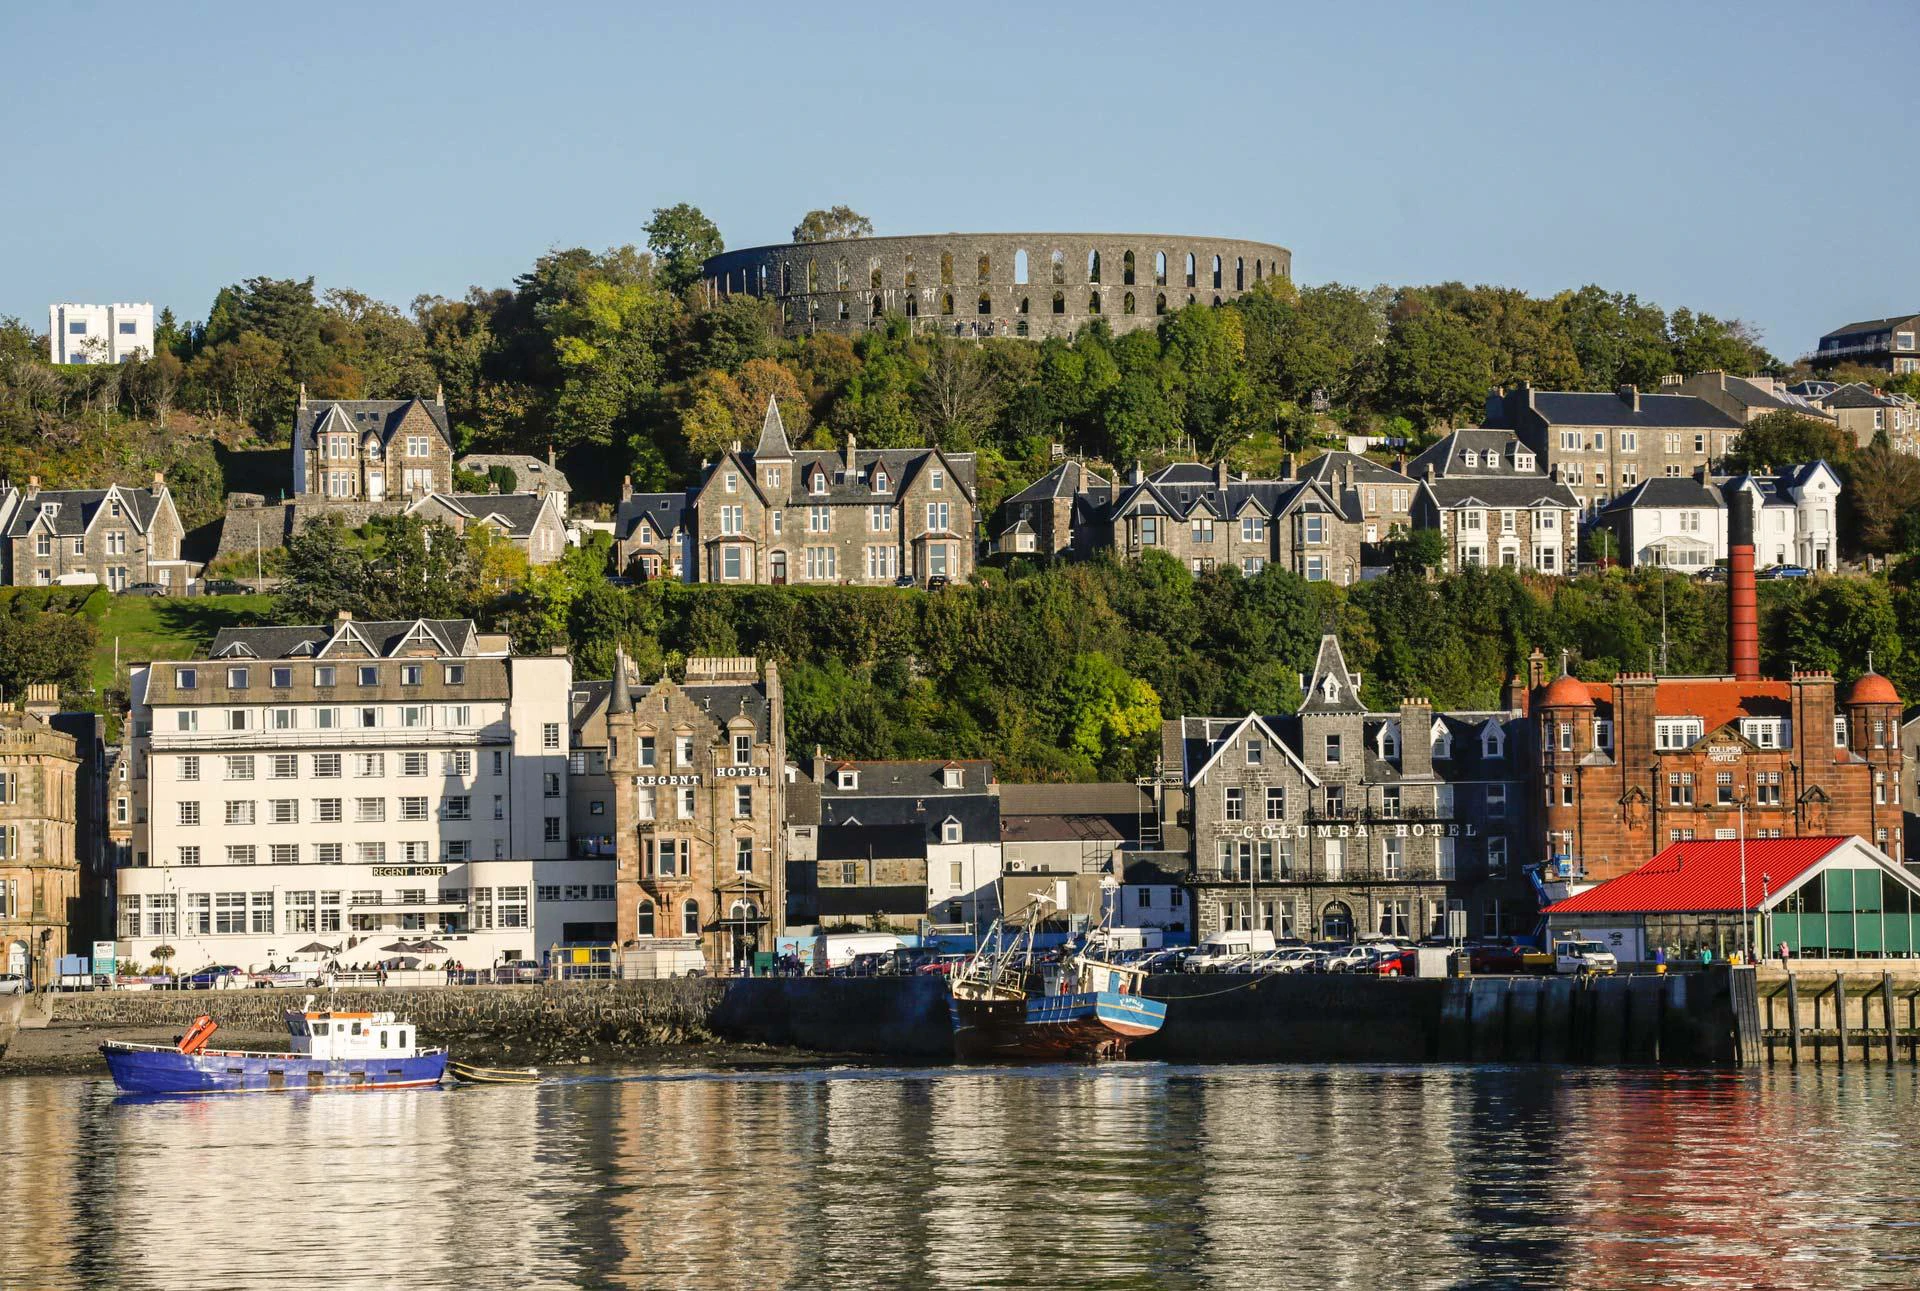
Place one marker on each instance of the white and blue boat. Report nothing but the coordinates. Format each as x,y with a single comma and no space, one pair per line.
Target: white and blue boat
330,1050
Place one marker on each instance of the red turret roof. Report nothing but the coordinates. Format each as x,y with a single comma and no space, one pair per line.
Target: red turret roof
1567,692
1872,688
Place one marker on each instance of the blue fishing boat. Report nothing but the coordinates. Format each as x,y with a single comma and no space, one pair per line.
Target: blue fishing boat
1007,1008
330,1050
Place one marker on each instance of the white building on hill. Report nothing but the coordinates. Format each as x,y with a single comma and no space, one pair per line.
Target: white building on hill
99,333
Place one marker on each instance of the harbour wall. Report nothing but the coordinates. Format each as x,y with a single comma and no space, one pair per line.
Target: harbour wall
1689,1019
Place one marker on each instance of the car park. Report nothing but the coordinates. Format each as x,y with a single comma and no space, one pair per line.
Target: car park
517,970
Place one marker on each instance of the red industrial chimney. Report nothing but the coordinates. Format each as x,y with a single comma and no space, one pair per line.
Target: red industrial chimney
1743,622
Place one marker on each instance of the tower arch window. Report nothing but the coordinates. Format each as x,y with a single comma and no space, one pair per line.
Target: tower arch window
786,278
946,268
946,302
1020,265
1239,273
1026,305
913,305
1160,303
986,303
1256,269
813,275
1126,270
1093,302
1190,268
643,919
873,273
1159,268
841,311
1126,303
1093,266
840,278
986,267
1059,259
877,309
1216,273
913,279
1060,302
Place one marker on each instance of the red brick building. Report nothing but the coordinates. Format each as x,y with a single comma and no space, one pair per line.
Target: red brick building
1633,765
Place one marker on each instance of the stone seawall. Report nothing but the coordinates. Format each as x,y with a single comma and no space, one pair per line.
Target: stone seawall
1680,1020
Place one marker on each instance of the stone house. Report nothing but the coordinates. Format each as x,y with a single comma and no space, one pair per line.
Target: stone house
535,523
1054,515
1484,492
1628,766
530,474
1745,399
1599,444
115,537
1337,821
1863,411
1204,517
700,807
777,515
371,450
1384,495
43,808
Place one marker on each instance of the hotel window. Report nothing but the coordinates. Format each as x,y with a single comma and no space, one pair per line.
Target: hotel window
326,811
550,784
369,676
456,849
1333,747
326,766
281,719
187,719
459,763
369,765
1566,789
1766,789
186,678
284,766
237,719
1236,803
689,802
413,809
742,800
1723,788
643,802
550,735
413,764
647,753
1675,735
1334,857
239,812
457,807
1390,800
371,853
1335,798
743,856
236,679
325,675
1680,789
189,771
329,854
1602,734
189,813
284,853
240,854
189,856
326,719
1394,860
369,811
1496,856
284,811
1839,732
229,912
552,832
1565,734
683,750
1496,801
950,830
369,718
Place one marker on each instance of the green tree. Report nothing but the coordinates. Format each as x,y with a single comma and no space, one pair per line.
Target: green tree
832,225
682,239
1434,369
1787,439
39,645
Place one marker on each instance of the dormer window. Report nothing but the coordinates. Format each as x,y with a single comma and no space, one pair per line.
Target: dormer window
950,830
1523,461
1442,741
1330,688
186,678
1603,734
847,780
1390,742
1493,743
951,777
1472,458
817,483
880,480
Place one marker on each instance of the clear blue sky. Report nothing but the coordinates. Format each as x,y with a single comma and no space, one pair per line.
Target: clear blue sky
1747,160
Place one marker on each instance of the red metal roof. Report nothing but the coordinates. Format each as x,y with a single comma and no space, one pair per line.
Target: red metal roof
1703,876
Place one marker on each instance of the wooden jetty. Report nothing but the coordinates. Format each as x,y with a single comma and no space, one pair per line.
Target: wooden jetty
1840,1011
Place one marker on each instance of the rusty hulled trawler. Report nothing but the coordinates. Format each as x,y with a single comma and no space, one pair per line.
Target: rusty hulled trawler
1009,1007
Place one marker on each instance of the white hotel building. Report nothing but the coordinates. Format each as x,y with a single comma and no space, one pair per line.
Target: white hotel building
353,785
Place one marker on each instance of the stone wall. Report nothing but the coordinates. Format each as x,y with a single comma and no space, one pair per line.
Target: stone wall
1032,284
248,527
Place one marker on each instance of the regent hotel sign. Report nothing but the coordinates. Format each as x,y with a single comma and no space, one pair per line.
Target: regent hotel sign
694,779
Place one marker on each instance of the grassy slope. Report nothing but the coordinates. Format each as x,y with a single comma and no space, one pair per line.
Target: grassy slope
160,627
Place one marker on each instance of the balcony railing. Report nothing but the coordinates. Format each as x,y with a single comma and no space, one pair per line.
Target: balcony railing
380,737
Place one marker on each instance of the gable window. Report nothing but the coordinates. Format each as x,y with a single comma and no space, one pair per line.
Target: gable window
1149,531
1677,733
1256,752
817,482
950,830
952,777
880,482
937,479
1493,744
1202,528
1602,734
1313,528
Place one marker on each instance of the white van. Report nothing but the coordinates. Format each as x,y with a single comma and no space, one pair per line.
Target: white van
1221,948
1112,939
839,948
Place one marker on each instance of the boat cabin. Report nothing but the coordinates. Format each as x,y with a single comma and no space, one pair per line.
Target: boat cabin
329,1034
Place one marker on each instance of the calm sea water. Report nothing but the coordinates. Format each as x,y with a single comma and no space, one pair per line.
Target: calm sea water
1133,1176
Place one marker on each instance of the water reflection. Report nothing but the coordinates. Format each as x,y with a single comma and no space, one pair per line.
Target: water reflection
1122,1177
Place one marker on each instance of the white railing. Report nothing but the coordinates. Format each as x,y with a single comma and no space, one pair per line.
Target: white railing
267,741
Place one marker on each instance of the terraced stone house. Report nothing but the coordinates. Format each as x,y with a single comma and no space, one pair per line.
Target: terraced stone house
114,537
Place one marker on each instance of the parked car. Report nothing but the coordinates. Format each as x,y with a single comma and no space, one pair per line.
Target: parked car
12,984
1350,959
517,970
1166,961
223,587
936,582
145,589
1785,571
214,977
1395,961
1712,574
1583,957
1493,957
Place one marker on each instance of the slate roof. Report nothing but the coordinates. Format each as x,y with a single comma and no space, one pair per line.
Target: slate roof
1858,394
1494,452
723,701
381,416
528,471
665,512
1329,468
519,512
1665,491
1508,491
305,642
1705,876
1872,325
1063,481
911,793
844,487
1182,500
1656,412
864,842
78,507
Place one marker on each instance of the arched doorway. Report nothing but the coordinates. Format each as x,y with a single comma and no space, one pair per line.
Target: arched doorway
777,568
1336,922
743,918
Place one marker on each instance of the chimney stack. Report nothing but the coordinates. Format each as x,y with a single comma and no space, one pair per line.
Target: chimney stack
1743,624
1220,473
850,447
33,485
1630,396
626,488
